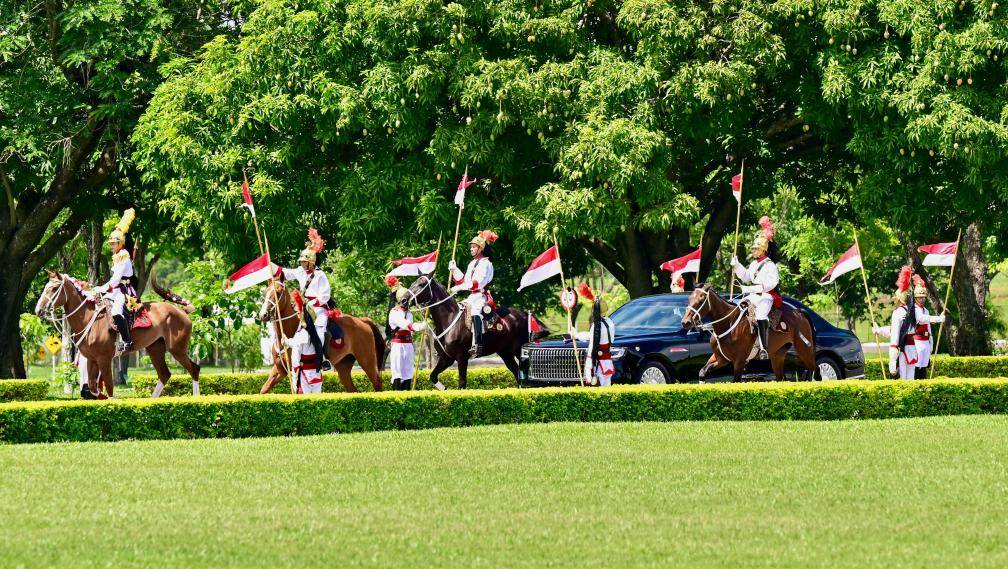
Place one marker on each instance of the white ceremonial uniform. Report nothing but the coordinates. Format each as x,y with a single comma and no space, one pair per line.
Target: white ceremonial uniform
922,335
119,285
308,377
315,289
402,352
476,279
605,369
901,364
762,273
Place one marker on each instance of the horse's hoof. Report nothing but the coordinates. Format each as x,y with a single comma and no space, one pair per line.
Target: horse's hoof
439,386
85,393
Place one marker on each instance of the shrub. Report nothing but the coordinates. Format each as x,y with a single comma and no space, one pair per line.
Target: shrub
282,415
951,366
23,389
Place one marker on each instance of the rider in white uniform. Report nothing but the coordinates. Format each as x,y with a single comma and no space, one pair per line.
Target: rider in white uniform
478,276
402,353
121,283
314,286
764,278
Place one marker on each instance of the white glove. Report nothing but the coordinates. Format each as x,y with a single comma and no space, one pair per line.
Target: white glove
735,262
459,288
418,326
452,266
291,342
883,330
938,319
749,289
893,358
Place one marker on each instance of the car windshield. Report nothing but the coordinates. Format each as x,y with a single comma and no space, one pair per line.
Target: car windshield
652,313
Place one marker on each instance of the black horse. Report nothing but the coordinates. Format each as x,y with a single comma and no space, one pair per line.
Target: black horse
453,336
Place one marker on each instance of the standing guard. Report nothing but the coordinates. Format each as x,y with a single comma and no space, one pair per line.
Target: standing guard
476,280
763,275
922,330
402,352
599,367
314,285
902,348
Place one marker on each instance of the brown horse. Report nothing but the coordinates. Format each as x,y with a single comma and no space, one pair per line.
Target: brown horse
453,335
91,330
362,341
733,337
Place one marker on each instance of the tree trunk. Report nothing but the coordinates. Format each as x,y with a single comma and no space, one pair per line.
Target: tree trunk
11,357
969,334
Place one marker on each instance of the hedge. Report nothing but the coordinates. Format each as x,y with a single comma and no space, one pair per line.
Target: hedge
249,383
492,377
23,389
282,415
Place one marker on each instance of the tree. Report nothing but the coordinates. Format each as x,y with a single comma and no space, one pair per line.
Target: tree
74,78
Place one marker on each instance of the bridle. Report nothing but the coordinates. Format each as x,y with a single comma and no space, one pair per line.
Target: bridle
272,302
416,307
50,309
709,326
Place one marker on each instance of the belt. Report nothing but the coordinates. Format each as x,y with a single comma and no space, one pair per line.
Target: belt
402,337
604,352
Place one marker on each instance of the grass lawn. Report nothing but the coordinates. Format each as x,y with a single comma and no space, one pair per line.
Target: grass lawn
917,492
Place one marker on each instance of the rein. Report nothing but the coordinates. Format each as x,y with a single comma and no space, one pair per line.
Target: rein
711,325
418,308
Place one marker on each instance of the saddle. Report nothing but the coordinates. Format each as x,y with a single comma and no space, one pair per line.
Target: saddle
136,313
776,325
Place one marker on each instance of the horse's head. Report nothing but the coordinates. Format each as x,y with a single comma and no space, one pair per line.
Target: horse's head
54,295
698,306
424,291
275,298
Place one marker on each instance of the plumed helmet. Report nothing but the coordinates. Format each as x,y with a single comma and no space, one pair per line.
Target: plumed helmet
313,247
118,234
903,284
919,288
483,237
766,234
401,293
586,292
392,282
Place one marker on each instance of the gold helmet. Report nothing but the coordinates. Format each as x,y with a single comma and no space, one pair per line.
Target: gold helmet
118,234
761,244
483,237
919,288
313,247
401,294
903,284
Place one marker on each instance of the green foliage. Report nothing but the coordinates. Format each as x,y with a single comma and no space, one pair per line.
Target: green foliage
284,415
33,334
23,389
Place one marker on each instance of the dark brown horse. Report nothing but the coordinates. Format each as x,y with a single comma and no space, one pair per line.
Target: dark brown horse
733,337
91,329
362,341
453,336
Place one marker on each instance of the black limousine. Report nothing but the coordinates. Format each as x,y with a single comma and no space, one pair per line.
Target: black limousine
651,346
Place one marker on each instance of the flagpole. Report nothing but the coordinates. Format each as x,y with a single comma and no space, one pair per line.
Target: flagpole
458,224
948,292
423,333
738,219
570,321
255,221
279,320
871,311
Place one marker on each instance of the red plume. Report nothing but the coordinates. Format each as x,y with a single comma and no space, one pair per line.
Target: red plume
585,291
489,235
680,282
918,281
315,240
391,281
768,229
298,301
903,280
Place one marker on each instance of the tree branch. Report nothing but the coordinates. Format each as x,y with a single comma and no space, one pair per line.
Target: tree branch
65,232
9,190
604,253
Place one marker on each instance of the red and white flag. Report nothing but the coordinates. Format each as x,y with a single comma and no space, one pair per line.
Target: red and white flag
543,267
247,197
258,271
415,266
849,261
685,264
736,187
939,254
534,327
460,192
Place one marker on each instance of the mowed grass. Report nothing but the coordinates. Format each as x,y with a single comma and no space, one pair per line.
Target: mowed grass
909,493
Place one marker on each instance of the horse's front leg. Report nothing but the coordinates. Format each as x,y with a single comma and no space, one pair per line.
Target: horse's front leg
444,360
274,377
714,362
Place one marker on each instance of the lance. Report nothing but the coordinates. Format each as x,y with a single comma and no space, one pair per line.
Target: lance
871,311
738,219
423,333
458,224
948,292
570,321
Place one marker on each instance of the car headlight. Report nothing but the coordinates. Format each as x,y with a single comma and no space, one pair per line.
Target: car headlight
617,353
524,353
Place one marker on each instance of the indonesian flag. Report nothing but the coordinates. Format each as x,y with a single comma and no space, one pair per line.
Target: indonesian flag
939,254
534,327
685,264
415,266
247,197
736,187
543,267
258,271
460,192
849,261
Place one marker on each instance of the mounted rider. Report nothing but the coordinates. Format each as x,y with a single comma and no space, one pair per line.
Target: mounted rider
314,287
762,273
599,367
401,355
123,282
476,280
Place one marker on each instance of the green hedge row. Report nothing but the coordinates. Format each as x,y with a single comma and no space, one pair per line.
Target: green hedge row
23,389
283,415
951,366
249,383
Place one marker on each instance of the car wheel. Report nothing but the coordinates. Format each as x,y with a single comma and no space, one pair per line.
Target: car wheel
653,373
828,369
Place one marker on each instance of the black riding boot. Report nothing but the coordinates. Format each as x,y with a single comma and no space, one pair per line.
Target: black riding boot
405,384
477,330
396,384
319,346
764,329
124,331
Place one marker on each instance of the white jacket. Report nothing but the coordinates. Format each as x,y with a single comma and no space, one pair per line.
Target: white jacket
314,285
762,273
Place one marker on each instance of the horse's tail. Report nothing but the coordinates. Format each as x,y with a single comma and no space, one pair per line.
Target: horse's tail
379,342
170,296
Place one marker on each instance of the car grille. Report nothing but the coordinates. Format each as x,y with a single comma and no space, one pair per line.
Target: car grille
555,364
